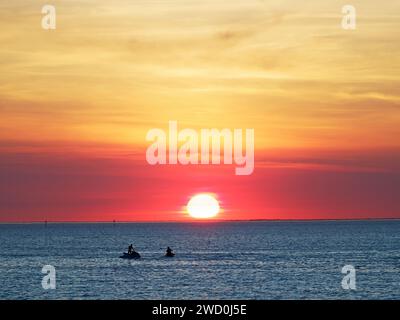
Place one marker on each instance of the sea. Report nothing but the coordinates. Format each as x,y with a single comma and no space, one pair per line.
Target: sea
214,260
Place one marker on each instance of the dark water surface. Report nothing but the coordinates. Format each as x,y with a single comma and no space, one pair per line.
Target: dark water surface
232,260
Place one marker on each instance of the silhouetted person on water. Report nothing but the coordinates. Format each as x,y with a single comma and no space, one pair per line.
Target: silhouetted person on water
169,252
131,254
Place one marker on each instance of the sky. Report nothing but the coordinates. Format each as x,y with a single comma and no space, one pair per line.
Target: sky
76,104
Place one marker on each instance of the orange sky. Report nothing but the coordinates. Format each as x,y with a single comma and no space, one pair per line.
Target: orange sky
76,103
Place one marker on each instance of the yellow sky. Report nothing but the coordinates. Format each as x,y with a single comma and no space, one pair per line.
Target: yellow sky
110,72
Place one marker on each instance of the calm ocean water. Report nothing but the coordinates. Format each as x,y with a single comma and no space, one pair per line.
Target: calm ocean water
243,260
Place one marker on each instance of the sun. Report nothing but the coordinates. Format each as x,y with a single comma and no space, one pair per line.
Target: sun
203,206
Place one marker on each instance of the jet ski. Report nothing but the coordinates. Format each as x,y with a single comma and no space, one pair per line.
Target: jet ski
133,255
170,254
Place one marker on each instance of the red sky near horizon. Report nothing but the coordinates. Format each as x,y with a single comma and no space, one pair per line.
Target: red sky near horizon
76,104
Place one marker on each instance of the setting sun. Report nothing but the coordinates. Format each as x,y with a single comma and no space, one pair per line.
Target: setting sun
203,206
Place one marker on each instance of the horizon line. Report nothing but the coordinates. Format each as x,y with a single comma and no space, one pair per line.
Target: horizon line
195,221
